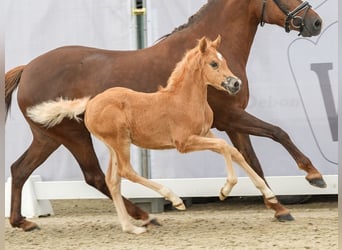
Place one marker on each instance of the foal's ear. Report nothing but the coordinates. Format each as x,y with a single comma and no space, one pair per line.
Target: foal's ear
217,42
203,44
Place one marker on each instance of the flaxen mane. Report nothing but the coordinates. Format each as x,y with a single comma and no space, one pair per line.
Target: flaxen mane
185,65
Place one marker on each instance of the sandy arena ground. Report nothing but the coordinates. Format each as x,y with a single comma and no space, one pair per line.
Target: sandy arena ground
233,224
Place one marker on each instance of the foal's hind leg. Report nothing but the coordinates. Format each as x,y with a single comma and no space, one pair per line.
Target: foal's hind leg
82,149
113,181
125,170
39,150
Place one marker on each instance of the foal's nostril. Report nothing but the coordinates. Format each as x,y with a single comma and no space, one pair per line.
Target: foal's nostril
236,84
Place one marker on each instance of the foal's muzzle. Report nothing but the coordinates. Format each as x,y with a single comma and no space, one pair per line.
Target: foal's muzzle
232,85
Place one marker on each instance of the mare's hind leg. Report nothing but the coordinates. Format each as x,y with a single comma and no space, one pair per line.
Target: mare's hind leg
39,150
243,144
82,149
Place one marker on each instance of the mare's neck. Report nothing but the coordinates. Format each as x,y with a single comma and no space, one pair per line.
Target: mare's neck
235,20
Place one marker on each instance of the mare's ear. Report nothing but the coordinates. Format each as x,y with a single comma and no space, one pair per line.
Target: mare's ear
217,42
203,44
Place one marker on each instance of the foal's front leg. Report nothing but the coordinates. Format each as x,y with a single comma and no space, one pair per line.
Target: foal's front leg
210,142
196,143
243,144
242,122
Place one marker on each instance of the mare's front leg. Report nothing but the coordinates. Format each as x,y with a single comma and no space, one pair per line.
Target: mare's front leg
239,121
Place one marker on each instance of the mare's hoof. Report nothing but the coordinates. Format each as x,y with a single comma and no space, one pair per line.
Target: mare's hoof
285,217
151,221
28,226
318,182
155,222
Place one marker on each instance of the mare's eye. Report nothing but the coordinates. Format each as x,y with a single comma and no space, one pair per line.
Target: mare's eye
214,64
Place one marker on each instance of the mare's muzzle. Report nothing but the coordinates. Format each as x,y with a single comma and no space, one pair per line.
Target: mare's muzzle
232,85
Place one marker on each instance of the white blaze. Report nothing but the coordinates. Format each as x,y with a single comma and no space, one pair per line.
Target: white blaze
219,55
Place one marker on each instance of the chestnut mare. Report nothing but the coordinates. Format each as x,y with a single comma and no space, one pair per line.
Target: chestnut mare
177,116
75,72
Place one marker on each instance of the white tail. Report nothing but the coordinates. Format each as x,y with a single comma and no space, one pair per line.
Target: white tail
51,113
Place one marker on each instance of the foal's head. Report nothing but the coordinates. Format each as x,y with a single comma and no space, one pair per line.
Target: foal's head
204,64
215,71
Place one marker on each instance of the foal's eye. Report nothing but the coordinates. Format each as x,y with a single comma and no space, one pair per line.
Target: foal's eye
214,64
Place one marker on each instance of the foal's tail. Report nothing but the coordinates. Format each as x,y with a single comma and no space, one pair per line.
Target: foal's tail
51,113
12,79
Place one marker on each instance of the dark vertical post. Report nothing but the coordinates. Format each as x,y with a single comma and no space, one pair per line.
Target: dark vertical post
140,17
140,13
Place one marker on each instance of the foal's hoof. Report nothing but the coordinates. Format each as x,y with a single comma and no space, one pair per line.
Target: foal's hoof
222,195
318,182
136,230
285,217
180,206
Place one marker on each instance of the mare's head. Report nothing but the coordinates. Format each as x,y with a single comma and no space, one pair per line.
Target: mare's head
214,68
292,15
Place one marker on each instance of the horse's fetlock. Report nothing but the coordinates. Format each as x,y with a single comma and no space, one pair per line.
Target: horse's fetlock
166,192
232,181
273,200
16,221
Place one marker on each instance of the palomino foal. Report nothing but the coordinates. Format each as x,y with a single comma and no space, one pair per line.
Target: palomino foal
177,116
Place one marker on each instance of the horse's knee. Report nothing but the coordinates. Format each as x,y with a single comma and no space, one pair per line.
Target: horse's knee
181,147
